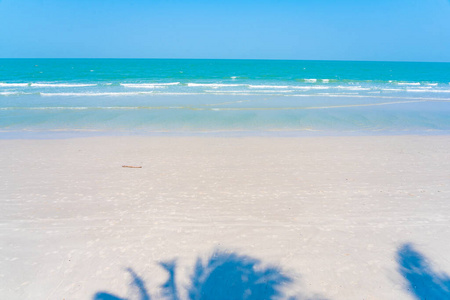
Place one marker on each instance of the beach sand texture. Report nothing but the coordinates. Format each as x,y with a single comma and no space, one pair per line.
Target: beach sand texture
330,211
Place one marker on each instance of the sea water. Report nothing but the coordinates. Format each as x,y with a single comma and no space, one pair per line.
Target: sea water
148,96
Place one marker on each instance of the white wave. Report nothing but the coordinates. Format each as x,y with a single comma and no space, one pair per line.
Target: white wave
423,99
337,95
417,90
58,108
352,88
253,92
148,85
230,91
408,83
4,84
318,87
392,90
213,85
276,91
268,86
167,83
16,93
325,80
10,93
428,91
95,94
432,84
233,94
311,80
210,92
89,107
176,94
61,85
142,86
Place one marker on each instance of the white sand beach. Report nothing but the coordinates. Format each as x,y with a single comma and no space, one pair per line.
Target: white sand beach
331,212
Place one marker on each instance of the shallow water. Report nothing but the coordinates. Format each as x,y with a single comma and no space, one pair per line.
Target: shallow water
201,96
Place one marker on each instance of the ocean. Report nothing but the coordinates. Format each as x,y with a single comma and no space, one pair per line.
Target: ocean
64,97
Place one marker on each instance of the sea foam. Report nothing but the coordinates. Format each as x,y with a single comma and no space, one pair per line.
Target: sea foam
213,85
61,85
148,85
252,86
4,84
408,83
95,94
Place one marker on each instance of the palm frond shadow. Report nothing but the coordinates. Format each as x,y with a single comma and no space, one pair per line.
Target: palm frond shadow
138,289
222,276
230,276
233,276
422,281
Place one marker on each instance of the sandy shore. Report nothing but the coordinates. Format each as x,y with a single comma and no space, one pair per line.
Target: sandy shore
330,211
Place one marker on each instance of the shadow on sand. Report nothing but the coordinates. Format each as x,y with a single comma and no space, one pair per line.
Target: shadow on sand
137,286
423,282
223,276
232,276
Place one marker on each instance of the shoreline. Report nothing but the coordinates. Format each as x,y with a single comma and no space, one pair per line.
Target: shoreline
332,212
77,134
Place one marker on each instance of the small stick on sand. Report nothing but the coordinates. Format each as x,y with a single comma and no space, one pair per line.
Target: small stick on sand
136,167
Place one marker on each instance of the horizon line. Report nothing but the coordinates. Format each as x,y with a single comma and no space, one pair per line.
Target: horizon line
266,59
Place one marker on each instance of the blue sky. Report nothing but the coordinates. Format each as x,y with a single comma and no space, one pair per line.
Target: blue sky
393,30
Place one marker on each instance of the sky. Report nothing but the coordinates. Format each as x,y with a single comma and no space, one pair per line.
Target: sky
377,30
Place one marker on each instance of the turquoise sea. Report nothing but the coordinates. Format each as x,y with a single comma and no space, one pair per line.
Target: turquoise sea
59,97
